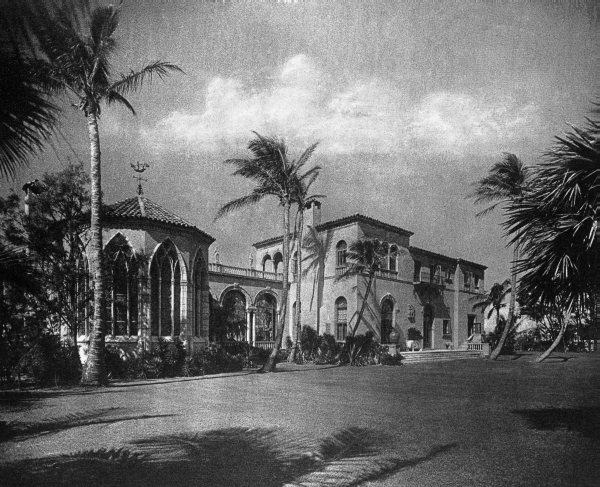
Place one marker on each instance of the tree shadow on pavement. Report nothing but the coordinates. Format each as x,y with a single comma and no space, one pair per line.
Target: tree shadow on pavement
16,430
225,457
584,420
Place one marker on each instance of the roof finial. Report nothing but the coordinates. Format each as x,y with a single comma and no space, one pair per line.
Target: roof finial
140,168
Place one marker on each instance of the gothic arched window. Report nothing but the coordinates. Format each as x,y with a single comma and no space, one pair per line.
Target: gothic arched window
122,288
341,249
266,317
165,290
392,257
234,307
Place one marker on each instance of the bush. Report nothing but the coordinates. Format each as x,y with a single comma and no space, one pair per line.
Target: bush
414,334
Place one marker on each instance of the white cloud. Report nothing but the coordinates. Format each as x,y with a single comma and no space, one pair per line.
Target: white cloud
304,104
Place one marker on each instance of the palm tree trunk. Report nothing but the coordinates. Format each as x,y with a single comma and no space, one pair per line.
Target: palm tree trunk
298,270
94,371
364,303
272,360
511,307
563,328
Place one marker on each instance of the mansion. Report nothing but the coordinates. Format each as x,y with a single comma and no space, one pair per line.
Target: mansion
161,284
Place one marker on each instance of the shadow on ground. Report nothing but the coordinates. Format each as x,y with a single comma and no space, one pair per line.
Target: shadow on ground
226,457
581,420
17,430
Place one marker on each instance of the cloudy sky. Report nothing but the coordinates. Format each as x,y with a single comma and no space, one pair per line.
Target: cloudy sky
411,103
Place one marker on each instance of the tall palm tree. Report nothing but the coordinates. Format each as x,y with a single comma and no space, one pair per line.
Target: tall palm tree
506,183
365,256
556,223
494,299
79,64
317,248
303,200
274,175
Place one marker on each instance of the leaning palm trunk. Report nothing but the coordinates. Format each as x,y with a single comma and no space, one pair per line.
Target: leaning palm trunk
94,371
272,360
511,307
364,303
561,333
298,270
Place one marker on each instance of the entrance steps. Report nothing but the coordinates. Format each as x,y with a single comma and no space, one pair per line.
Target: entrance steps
438,355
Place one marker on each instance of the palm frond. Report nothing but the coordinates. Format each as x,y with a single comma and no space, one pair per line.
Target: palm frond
114,97
133,81
239,203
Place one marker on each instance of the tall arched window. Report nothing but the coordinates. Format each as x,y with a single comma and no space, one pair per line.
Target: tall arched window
165,289
81,297
122,289
387,316
295,264
392,258
341,318
277,262
234,307
199,283
266,317
341,249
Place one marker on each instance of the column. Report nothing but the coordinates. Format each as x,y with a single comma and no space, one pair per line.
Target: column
248,325
144,332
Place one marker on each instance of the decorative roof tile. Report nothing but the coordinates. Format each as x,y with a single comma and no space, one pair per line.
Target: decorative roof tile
140,207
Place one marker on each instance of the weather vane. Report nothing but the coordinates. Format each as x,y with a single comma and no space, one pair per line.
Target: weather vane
140,168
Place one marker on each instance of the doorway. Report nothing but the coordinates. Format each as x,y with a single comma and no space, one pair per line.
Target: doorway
427,326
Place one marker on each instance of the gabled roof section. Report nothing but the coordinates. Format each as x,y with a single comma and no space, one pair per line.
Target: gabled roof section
340,222
141,208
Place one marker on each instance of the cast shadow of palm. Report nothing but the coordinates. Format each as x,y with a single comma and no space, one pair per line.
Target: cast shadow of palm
583,420
226,457
16,430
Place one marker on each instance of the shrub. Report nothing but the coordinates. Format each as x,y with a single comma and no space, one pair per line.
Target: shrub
414,334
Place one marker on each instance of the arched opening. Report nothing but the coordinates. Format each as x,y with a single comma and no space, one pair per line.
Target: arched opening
122,288
267,264
165,292
277,262
341,319
234,315
295,264
427,326
266,317
341,249
387,317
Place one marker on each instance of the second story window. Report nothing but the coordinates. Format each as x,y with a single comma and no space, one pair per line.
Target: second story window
341,253
467,279
476,282
392,258
417,274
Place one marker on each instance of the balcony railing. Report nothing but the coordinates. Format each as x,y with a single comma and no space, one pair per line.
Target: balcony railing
387,273
242,271
425,276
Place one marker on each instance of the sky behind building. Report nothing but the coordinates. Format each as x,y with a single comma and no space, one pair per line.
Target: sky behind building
411,103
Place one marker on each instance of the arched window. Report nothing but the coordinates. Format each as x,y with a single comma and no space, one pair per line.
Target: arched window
387,317
266,318
234,310
341,249
165,289
267,263
392,258
199,280
277,261
122,289
81,297
341,318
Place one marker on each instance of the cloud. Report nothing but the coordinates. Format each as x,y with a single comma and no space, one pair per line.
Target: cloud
304,103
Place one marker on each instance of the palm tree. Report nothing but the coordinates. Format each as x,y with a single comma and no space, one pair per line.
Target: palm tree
316,248
79,65
556,223
27,117
365,256
506,183
274,175
494,299
303,200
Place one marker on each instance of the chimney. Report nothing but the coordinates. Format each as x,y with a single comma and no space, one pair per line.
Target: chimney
312,214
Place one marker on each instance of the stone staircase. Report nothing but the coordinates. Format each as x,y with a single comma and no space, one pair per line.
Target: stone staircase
439,355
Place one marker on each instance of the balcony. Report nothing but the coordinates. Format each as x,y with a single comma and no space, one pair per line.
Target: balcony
245,272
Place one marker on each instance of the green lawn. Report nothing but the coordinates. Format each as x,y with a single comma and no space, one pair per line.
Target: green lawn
469,422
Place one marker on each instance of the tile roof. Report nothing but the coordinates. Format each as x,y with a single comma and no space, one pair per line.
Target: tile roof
344,221
139,207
